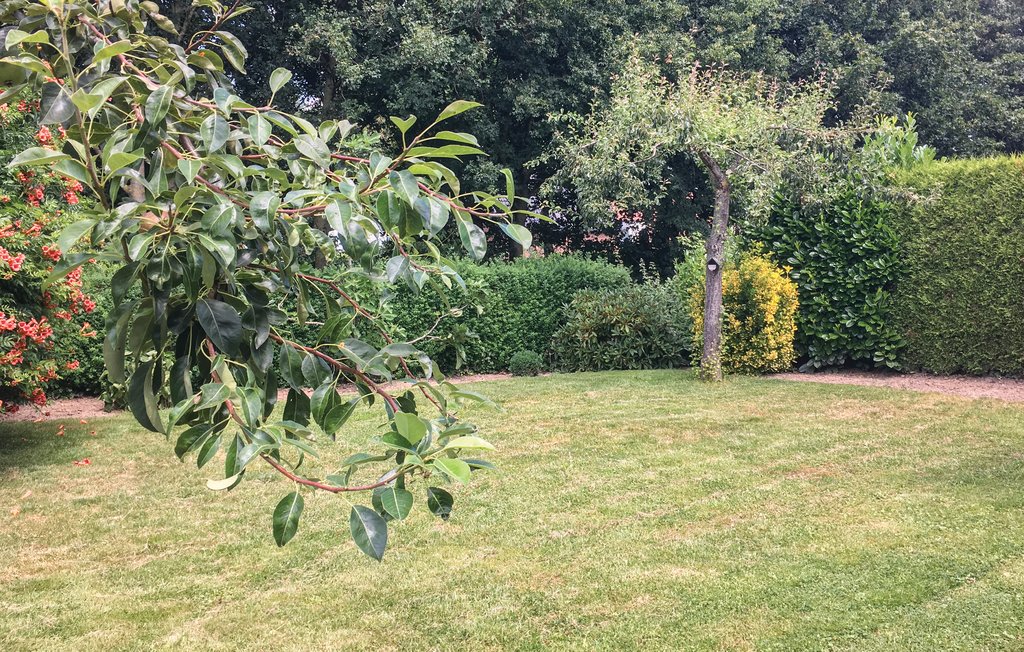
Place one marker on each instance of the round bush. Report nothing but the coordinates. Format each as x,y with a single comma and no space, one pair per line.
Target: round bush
526,363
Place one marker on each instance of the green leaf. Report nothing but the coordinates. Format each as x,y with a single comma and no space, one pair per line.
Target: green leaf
369,531
103,89
141,399
518,233
286,517
457,137
214,132
396,502
212,394
36,156
222,249
405,185
207,452
72,168
263,208
190,439
16,37
455,108
404,125
454,468
85,102
469,442
189,168
259,129
222,324
279,78
112,50
121,160
440,502
410,426
473,239
314,149
73,233
158,103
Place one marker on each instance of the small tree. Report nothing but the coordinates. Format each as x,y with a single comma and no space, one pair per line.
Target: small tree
743,130
208,204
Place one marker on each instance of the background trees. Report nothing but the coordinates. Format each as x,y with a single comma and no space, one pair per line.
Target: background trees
958,66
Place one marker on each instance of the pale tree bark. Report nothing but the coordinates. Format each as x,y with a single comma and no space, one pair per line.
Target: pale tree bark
711,357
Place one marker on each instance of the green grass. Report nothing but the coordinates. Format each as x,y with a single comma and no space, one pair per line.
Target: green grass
632,511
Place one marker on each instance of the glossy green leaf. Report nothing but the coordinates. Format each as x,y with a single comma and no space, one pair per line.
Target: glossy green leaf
369,531
396,501
222,324
279,78
286,517
439,502
410,426
453,468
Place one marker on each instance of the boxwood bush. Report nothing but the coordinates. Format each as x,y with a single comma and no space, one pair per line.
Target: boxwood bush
960,298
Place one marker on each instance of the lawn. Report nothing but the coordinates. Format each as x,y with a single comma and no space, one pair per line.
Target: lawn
631,511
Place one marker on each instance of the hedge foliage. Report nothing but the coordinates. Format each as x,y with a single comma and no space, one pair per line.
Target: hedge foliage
632,327
507,308
843,257
960,299
760,304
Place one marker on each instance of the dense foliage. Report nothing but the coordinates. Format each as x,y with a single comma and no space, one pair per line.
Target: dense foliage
959,301
211,208
761,305
746,132
505,308
634,327
843,256
41,328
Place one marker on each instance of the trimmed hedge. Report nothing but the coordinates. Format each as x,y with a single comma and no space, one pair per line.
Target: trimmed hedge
509,307
960,298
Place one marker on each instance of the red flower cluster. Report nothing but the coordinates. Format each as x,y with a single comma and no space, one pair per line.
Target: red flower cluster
12,261
51,253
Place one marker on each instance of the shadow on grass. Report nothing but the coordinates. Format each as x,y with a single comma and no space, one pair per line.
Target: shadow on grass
24,444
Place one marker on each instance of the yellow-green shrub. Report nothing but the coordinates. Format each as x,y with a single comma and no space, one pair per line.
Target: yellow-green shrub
760,305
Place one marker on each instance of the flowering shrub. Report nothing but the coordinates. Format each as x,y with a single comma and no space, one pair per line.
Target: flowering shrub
761,305
37,322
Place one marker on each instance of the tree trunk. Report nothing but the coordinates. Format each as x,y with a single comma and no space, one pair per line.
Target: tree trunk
711,358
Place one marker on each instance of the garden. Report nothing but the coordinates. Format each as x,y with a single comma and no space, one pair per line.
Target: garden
644,336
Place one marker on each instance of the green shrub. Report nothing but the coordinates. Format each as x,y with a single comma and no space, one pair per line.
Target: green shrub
760,306
526,363
960,299
843,257
506,308
633,327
